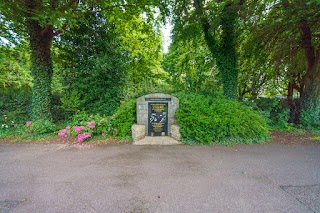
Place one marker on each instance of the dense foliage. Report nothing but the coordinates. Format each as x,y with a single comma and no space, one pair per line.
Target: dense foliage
212,119
274,110
124,118
15,106
93,68
74,62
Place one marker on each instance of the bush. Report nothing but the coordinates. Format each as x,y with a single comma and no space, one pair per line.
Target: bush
102,123
274,110
15,106
212,119
310,118
42,126
124,118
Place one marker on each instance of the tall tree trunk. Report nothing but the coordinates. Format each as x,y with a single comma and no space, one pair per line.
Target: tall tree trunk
222,49
227,60
311,80
40,39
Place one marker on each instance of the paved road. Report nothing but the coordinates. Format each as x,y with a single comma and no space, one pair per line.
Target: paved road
126,178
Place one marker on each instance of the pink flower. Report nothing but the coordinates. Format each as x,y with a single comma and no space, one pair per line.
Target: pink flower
82,137
103,135
91,125
68,127
63,133
78,129
28,123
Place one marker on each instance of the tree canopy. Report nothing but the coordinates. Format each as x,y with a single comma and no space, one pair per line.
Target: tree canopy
96,53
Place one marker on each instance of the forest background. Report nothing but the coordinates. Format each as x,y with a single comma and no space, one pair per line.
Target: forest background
71,62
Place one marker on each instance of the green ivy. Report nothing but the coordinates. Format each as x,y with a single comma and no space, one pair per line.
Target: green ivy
310,117
41,96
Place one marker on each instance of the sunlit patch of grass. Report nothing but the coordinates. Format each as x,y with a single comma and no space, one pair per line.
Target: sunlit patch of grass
316,139
315,136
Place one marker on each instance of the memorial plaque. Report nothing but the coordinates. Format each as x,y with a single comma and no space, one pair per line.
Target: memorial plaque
158,119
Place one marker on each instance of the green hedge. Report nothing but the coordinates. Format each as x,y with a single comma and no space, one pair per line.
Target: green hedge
124,118
212,119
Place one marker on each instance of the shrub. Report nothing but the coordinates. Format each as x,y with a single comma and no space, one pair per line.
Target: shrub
310,118
212,119
15,104
102,123
124,118
42,126
274,110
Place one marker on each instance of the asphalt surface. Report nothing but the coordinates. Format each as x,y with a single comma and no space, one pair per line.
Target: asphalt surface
127,178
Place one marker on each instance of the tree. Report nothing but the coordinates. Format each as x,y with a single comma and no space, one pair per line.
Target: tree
289,30
93,65
191,66
41,21
142,39
14,67
217,22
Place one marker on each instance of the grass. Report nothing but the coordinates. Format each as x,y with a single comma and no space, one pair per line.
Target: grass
11,132
35,137
316,136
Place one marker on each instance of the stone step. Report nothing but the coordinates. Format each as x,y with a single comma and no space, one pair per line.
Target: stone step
161,140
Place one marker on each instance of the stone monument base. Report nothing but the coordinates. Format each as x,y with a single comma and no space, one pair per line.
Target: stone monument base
162,140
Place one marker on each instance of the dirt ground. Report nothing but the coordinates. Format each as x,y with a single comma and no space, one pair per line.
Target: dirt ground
294,138
276,137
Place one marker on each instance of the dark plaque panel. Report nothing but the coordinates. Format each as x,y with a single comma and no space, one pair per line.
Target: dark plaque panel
158,119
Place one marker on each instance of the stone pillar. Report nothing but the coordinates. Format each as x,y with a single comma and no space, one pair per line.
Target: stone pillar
138,132
175,132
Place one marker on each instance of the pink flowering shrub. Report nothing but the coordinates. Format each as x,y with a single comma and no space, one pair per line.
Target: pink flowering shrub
63,133
85,127
91,125
78,129
82,137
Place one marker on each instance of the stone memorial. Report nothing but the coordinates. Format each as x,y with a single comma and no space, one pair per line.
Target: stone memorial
156,116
